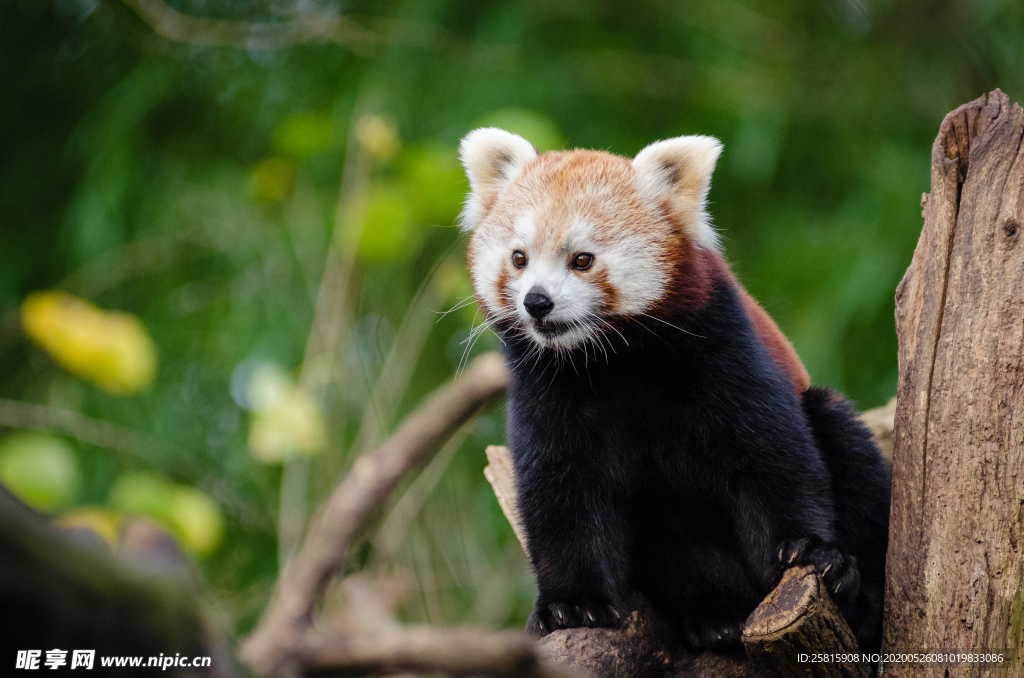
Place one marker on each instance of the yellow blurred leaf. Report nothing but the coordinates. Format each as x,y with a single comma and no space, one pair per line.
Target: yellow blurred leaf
267,385
378,137
143,493
102,521
292,426
273,179
188,513
110,348
286,419
196,520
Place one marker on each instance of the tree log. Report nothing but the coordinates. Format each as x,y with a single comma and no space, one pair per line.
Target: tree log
800,617
451,651
955,565
67,590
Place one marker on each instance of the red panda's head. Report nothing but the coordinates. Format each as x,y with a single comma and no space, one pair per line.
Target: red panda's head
563,241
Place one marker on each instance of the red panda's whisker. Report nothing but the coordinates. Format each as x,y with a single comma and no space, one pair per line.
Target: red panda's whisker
458,306
473,337
610,326
488,323
478,330
583,345
599,340
692,334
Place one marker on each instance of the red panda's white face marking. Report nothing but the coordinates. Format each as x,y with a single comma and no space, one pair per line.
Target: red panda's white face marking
564,241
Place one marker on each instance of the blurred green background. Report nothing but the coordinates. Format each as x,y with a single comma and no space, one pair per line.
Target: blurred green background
180,171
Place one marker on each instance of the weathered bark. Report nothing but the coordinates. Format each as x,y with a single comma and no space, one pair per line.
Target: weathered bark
800,617
641,648
956,559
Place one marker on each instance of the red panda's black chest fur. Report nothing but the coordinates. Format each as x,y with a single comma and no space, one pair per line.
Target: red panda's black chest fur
685,454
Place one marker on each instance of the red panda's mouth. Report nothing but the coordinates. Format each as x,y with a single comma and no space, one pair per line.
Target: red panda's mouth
551,328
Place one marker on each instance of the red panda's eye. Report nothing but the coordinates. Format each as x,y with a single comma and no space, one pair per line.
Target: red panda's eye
582,261
519,259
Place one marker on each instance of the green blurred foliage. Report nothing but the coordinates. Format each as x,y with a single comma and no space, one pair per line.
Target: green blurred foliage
189,514
197,188
39,469
389,234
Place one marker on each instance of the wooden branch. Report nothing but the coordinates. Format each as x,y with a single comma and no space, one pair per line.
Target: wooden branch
797,616
955,561
275,646
880,422
644,648
429,649
501,476
24,415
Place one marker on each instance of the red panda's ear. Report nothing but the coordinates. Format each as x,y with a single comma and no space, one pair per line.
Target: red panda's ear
679,171
492,158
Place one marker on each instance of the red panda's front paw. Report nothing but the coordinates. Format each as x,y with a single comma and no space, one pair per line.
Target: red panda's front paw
712,634
839,570
548,617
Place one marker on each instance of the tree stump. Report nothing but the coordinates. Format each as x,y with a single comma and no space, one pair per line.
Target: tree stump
799,617
955,567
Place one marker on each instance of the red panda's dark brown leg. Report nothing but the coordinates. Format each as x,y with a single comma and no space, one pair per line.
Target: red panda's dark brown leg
578,538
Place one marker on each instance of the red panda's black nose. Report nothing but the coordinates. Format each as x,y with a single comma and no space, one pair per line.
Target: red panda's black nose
538,303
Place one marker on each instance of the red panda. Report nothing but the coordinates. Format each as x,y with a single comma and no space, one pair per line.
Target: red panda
665,434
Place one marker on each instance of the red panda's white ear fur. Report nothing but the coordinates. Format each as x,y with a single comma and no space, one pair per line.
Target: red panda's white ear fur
492,158
679,170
